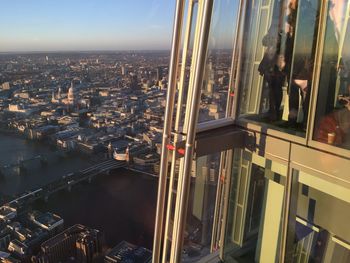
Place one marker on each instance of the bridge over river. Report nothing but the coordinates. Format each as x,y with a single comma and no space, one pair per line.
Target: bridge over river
67,182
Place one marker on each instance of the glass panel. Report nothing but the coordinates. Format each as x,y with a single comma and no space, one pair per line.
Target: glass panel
332,122
277,63
218,67
184,74
255,209
318,228
200,213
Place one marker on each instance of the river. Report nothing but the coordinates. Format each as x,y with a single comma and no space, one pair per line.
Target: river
121,204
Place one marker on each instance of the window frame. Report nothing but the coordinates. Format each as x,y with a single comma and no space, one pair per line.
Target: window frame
307,140
315,90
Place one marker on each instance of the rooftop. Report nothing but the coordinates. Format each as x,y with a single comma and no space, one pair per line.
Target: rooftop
126,252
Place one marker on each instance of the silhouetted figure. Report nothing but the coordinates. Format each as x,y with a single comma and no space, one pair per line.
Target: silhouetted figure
272,68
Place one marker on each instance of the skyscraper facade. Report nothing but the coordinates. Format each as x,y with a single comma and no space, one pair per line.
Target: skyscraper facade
267,181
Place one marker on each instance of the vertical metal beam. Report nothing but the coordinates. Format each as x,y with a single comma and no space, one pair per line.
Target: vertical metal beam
188,105
178,119
239,50
182,197
220,194
226,202
232,83
174,61
316,76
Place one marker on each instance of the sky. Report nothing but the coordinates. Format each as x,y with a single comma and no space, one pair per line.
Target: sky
72,25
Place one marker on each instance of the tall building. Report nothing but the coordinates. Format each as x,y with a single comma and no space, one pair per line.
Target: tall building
268,180
77,242
159,73
134,83
124,70
88,245
71,95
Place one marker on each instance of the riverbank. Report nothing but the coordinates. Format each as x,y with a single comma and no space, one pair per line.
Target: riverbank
13,149
121,204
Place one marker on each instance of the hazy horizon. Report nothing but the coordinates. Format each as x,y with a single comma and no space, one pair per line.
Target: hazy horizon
83,51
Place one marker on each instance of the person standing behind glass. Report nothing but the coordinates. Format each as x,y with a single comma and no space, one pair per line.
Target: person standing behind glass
272,68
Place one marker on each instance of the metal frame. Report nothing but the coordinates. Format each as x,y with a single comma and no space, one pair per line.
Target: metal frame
315,89
174,60
248,124
299,164
272,131
282,161
177,136
215,239
233,83
285,212
303,142
239,44
185,174
225,201
189,94
192,128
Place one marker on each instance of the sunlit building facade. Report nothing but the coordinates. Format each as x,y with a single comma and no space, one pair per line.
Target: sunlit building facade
256,139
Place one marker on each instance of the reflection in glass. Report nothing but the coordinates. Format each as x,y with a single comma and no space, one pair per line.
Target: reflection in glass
318,224
218,66
277,62
200,213
332,122
255,210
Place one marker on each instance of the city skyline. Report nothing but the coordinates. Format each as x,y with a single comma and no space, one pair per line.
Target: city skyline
48,26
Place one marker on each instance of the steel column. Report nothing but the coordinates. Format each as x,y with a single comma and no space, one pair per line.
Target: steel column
182,197
177,136
169,109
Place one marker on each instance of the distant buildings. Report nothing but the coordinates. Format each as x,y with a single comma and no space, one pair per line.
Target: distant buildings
47,221
78,241
80,104
7,213
159,71
20,108
22,233
124,70
126,252
5,86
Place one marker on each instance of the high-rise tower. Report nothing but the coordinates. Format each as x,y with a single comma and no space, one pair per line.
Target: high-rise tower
71,98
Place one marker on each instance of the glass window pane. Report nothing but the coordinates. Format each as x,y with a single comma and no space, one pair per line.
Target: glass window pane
332,122
182,96
318,223
200,213
277,63
253,226
218,66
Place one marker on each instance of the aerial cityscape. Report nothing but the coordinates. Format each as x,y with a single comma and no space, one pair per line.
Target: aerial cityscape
73,120
174,131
